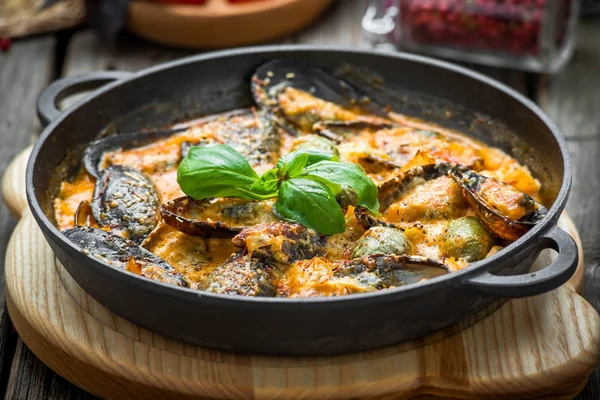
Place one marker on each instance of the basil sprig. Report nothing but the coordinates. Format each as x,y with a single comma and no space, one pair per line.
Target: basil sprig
305,184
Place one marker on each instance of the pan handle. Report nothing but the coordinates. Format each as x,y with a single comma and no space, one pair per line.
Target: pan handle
533,283
47,108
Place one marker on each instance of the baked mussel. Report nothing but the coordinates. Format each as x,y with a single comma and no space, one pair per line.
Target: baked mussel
507,212
248,131
280,242
216,217
125,201
320,276
299,95
93,155
393,190
124,254
242,275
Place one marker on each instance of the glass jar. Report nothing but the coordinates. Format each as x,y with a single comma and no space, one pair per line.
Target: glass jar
533,35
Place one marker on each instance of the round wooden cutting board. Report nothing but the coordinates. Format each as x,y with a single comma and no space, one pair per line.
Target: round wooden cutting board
539,347
221,23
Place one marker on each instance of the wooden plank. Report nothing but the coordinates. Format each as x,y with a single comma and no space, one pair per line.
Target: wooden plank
31,379
24,71
571,100
339,26
86,52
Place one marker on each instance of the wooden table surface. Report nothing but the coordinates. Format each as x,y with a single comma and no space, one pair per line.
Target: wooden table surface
571,98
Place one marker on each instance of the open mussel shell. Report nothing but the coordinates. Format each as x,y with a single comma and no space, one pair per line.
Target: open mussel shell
122,253
94,152
125,201
384,271
478,196
390,191
281,242
216,217
241,275
273,77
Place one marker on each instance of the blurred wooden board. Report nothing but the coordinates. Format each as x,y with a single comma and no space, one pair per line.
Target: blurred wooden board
527,348
219,23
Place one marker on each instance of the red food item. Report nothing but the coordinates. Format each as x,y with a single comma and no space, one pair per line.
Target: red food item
5,43
508,25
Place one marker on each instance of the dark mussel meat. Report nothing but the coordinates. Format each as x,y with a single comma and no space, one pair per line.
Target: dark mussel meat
216,217
125,201
280,242
242,275
277,81
505,211
392,190
94,152
122,253
384,271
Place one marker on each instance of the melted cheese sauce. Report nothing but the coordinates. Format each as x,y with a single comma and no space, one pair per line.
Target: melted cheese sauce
424,211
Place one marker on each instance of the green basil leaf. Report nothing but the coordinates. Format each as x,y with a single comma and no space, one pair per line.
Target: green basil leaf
295,166
216,171
335,188
350,175
311,204
314,156
268,183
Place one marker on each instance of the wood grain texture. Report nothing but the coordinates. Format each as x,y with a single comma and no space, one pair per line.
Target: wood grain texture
220,24
24,71
40,384
528,348
340,26
571,100
13,181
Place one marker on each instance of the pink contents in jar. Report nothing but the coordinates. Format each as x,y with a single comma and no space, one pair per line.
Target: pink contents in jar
513,26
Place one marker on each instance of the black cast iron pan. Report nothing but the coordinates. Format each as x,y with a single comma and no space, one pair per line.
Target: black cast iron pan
440,92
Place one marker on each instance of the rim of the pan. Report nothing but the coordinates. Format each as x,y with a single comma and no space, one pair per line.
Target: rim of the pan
397,292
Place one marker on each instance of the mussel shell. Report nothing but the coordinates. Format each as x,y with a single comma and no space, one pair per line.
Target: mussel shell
126,201
241,275
384,271
392,190
280,242
119,252
93,154
271,77
503,227
215,217
84,215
